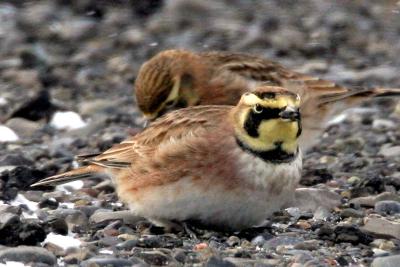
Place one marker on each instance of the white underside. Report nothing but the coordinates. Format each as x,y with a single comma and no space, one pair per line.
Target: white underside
238,208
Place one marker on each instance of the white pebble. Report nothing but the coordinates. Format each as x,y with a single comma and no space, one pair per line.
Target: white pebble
3,101
67,120
7,135
62,241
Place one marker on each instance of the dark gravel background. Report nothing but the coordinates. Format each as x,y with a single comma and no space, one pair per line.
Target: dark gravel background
83,56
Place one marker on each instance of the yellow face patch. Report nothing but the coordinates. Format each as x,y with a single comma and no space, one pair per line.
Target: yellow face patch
268,131
272,132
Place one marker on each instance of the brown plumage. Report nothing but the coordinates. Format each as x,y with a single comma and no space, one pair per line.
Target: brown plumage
178,78
207,162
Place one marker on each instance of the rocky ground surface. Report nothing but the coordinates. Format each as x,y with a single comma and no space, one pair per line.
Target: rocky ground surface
66,74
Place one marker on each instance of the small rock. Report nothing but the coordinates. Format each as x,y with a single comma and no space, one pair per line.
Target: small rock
23,127
349,212
7,134
240,262
67,120
28,254
104,216
389,261
107,262
233,241
36,108
380,226
321,213
387,207
383,244
383,124
282,241
390,152
308,245
128,244
156,258
351,234
370,201
310,199
218,262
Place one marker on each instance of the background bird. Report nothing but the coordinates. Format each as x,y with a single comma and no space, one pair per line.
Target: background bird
179,78
208,163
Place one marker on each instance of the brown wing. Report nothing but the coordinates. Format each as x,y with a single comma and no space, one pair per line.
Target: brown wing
262,70
172,128
167,140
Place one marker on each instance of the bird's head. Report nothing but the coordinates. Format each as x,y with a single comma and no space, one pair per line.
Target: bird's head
267,123
166,82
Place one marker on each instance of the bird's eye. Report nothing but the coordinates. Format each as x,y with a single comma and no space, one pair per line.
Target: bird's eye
258,108
169,103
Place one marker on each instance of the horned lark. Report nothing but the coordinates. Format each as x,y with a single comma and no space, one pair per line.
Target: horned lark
178,78
226,166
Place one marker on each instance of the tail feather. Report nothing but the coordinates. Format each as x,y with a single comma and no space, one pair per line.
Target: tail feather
356,96
85,172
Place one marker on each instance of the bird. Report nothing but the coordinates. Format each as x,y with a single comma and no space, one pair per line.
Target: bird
178,78
223,166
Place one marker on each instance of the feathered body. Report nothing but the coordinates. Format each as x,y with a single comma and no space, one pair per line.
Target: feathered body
201,163
179,78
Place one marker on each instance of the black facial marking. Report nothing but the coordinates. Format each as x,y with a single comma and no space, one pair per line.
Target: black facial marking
299,127
276,155
254,119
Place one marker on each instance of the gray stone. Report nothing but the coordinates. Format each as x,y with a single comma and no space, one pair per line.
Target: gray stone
370,201
390,152
156,258
349,212
380,226
241,262
387,207
282,241
218,262
310,199
7,219
389,261
28,254
107,262
383,124
23,127
104,216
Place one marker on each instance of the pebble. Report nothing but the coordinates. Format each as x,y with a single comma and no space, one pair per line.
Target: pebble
390,152
387,207
23,127
383,125
105,216
310,199
370,201
241,262
7,135
349,212
28,254
107,262
156,258
218,262
282,241
380,226
389,261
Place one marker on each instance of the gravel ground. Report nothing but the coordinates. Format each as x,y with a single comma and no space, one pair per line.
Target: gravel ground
81,56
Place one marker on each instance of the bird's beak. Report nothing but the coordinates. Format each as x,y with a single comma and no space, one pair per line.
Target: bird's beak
290,113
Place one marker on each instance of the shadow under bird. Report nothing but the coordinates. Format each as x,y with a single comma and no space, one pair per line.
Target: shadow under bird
179,78
224,166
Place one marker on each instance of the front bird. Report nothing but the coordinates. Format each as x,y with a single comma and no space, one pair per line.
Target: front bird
178,78
224,166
